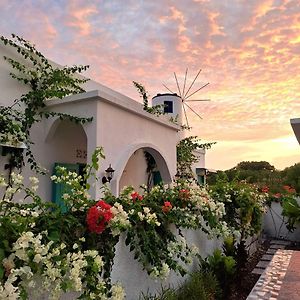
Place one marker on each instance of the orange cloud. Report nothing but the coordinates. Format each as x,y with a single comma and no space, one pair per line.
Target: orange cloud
248,50
79,15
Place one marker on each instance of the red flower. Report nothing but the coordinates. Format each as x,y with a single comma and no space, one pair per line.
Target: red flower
184,194
167,207
277,195
98,216
289,189
265,189
136,196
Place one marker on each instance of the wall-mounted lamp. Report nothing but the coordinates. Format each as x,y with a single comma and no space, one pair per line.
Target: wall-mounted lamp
109,174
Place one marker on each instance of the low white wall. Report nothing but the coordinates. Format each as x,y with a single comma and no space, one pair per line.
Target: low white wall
129,273
274,224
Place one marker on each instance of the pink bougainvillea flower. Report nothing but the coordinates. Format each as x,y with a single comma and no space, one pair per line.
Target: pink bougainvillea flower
265,189
166,207
136,196
277,195
98,216
184,194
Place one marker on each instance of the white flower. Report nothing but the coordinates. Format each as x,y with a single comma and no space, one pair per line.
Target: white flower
117,293
2,181
33,180
53,177
37,258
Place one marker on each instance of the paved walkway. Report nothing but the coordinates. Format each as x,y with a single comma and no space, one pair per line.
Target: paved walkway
281,278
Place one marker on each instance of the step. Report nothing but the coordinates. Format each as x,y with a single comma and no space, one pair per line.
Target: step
280,242
271,251
267,257
262,264
275,246
258,271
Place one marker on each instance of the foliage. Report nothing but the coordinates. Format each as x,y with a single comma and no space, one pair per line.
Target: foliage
263,174
156,109
74,251
244,205
39,243
255,165
291,176
186,156
291,210
223,267
45,82
151,167
157,245
199,286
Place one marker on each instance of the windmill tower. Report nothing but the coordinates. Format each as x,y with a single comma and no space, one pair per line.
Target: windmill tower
176,105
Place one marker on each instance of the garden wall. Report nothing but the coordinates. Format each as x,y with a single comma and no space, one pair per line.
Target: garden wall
274,224
129,272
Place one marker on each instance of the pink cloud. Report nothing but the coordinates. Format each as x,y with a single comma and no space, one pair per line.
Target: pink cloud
248,50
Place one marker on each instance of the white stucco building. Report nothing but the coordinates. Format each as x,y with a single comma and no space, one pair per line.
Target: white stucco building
125,131
120,126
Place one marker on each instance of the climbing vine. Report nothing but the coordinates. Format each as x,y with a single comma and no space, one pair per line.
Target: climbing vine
156,109
186,155
45,82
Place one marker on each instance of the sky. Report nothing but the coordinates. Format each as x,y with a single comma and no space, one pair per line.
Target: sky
248,51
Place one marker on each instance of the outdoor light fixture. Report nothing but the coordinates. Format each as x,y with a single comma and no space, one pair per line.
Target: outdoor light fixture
109,174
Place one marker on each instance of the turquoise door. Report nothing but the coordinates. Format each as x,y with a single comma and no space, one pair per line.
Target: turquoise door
156,178
58,189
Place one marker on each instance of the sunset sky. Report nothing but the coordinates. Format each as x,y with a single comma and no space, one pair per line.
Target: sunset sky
248,50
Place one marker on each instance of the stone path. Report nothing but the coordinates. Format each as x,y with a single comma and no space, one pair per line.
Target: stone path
281,279
290,288
265,260
269,284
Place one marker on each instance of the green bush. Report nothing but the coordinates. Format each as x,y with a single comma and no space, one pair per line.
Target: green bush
223,267
199,286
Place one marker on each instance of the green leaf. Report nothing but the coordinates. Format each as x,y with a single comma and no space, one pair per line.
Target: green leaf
1,272
54,236
2,254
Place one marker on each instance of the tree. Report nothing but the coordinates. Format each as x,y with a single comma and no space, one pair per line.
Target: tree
255,166
291,176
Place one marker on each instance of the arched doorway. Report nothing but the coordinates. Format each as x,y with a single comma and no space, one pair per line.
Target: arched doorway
145,166
66,146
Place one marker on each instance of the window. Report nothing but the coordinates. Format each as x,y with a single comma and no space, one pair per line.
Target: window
201,172
168,106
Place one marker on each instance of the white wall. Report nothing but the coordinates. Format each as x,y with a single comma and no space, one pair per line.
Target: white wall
275,228
134,173
129,272
10,88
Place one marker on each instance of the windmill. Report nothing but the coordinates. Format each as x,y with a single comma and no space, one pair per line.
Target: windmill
185,94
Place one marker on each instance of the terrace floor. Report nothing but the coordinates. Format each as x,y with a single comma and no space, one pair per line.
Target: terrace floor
281,278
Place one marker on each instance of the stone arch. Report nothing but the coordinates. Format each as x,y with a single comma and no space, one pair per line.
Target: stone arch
161,160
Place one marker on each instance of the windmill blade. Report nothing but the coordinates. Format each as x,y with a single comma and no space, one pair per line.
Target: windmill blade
202,87
177,85
196,100
187,121
184,81
192,110
168,89
184,96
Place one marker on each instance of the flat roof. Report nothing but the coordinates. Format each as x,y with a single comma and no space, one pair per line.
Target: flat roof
296,127
115,99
